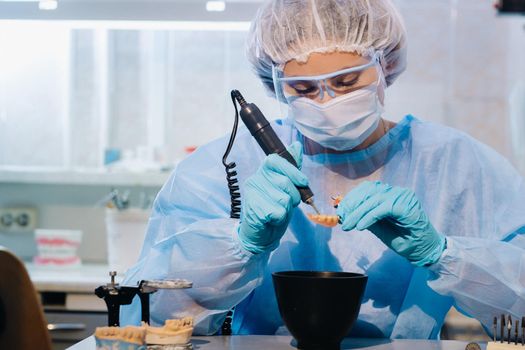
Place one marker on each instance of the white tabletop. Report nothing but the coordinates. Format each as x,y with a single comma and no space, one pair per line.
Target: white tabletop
265,342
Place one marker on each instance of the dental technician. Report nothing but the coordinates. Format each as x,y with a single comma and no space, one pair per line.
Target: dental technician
433,217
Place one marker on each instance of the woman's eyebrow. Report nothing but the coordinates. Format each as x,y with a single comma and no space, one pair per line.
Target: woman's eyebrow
315,75
355,65
348,67
352,74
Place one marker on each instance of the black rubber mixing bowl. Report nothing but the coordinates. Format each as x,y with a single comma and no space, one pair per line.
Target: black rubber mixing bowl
319,308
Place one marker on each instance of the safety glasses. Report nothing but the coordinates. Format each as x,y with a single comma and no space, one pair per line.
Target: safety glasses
333,84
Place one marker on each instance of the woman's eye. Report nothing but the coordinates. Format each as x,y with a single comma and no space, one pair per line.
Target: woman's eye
347,82
305,89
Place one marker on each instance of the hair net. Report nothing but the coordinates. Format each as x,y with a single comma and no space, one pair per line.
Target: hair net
293,29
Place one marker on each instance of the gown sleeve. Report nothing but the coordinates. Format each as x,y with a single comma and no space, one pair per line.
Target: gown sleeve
191,236
483,266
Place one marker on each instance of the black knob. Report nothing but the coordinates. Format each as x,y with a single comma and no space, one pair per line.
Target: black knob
22,219
7,219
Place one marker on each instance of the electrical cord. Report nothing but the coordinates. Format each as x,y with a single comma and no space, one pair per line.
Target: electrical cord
231,173
235,195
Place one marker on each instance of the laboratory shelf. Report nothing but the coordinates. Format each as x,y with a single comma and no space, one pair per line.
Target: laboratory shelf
90,177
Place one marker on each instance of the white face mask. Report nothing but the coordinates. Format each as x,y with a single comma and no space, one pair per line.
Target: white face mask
342,123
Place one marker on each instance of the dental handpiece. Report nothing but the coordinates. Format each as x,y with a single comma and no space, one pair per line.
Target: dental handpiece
266,137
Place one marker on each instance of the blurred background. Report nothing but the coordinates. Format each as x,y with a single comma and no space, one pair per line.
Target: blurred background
99,100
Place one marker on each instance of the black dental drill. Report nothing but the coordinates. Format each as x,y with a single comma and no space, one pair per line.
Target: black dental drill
266,137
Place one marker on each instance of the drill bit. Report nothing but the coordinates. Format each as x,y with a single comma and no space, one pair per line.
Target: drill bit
311,203
502,327
495,327
516,323
315,208
509,328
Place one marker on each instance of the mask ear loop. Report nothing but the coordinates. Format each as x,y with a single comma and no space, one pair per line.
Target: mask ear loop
381,63
380,84
377,57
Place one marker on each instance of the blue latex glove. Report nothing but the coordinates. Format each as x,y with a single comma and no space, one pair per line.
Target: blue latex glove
269,198
395,216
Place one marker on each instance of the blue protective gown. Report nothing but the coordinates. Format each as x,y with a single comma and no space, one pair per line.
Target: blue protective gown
470,193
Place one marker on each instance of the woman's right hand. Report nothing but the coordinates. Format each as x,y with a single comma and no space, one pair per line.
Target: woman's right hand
270,195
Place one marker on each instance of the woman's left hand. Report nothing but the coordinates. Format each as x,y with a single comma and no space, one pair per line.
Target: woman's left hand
396,217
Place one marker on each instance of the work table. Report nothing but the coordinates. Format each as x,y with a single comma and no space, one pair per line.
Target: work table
78,284
265,342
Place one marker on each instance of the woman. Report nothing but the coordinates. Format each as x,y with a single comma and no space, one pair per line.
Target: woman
432,216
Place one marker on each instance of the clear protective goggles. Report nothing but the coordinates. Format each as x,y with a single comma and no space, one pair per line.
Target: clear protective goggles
333,84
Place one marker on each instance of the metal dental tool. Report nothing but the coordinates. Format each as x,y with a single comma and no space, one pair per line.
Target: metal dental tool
523,331
495,327
509,328
266,137
502,327
516,323
115,295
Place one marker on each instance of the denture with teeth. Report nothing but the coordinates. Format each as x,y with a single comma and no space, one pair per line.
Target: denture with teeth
324,220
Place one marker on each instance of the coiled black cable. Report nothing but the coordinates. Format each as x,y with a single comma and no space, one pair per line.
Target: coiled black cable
235,195
231,174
